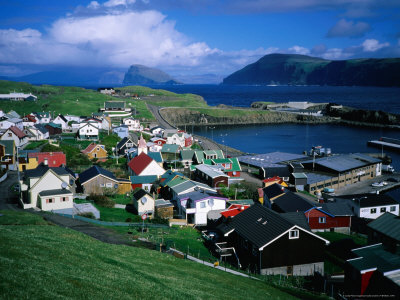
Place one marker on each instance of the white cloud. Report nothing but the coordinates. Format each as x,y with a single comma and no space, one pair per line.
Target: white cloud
345,28
299,50
112,3
372,45
93,5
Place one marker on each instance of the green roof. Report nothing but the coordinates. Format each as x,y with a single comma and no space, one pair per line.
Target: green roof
374,257
176,181
143,179
9,146
235,165
187,154
170,148
241,202
114,104
387,224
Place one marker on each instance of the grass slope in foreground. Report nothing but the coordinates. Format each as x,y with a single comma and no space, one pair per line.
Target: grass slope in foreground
40,261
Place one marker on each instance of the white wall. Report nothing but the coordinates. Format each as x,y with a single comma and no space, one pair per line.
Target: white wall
49,181
366,211
57,203
201,212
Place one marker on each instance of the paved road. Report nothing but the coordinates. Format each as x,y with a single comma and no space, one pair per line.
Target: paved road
8,199
206,143
365,186
155,110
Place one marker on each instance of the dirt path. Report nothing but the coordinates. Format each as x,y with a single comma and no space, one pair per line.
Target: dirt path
100,233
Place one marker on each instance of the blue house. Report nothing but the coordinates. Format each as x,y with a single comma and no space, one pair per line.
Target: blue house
122,131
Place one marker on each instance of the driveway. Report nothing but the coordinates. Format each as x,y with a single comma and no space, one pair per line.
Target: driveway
8,199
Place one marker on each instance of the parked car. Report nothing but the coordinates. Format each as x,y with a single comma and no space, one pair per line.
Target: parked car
377,184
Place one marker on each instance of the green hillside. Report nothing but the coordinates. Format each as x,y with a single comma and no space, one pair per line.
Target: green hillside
294,69
41,261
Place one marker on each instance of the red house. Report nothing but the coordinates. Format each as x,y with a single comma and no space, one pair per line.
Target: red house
158,141
330,217
54,159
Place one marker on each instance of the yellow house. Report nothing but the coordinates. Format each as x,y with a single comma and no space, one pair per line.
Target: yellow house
28,163
95,151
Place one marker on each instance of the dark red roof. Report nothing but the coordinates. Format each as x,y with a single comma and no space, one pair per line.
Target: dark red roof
234,209
139,163
30,118
54,159
89,148
18,132
272,179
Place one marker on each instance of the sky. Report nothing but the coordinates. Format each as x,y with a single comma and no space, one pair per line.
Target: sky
191,37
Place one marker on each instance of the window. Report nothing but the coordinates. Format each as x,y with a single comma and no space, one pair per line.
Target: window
102,185
109,184
373,210
202,204
293,234
383,209
393,208
64,199
322,220
50,200
116,186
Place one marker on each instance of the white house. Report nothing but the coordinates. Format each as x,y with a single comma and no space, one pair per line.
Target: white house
143,203
72,118
47,188
371,206
88,131
143,165
8,121
43,117
196,205
60,119
157,131
15,134
38,131
133,124
29,120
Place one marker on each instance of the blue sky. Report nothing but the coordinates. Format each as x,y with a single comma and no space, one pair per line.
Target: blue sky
191,37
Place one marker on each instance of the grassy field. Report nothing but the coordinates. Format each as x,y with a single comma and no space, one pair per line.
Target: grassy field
65,100
34,145
39,261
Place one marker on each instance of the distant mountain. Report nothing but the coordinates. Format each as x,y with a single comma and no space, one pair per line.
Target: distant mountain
139,75
80,76
293,69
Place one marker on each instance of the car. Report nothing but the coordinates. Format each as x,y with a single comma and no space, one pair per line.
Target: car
377,184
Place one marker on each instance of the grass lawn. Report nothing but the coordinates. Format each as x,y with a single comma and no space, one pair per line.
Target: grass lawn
122,199
34,145
336,236
47,262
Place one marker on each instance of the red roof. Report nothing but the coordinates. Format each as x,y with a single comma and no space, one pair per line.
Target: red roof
139,163
18,132
234,209
272,179
54,159
31,118
89,148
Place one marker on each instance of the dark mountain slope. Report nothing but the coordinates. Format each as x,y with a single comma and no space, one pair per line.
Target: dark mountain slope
292,69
